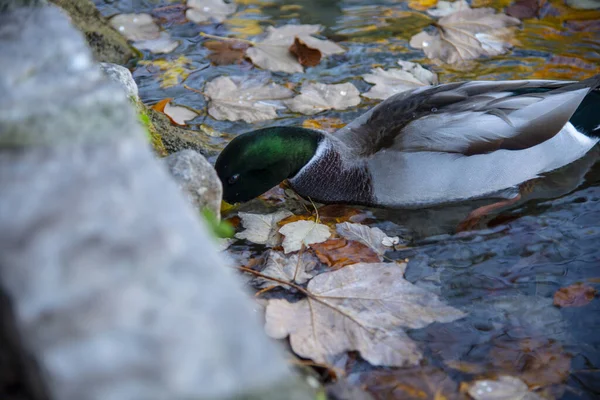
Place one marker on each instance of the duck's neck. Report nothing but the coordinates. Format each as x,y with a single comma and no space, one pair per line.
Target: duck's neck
295,146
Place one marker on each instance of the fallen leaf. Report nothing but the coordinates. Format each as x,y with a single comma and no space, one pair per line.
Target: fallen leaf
387,83
299,233
206,10
362,307
421,5
575,295
336,213
371,237
172,72
466,35
328,124
262,228
306,56
523,9
417,383
241,98
177,114
295,269
136,26
226,52
170,14
161,45
504,388
273,52
337,253
445,8
317,97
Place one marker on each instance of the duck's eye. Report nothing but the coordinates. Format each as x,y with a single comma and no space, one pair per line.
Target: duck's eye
233,179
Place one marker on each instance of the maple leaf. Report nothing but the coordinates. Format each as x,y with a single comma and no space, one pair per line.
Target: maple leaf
226,52
299,233
337,253
262,228
273,52
467,34
296,268
504,388
374,238
576,295
206,10
387,83
362,307
317,97
306,56
240,98
177,114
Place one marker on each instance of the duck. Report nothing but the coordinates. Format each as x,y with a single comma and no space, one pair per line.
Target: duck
429,146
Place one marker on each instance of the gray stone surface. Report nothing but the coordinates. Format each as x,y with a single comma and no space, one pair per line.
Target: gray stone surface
197,179
113,287
122,76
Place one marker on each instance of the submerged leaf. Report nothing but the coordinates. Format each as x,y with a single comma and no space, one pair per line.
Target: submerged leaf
466,35
136,26
295,269
262,228
338,253
301,233
206,10
387,83
226,52
374,238
505,388
362,307
239,98
161,45
576,295
445,8
317,97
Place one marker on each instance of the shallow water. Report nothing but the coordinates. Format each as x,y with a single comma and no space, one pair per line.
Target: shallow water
505,274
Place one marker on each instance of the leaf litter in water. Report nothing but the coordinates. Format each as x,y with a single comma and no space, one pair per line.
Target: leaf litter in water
575,295
338,252
317,97
242,98
274,51
374,238
396,80
306,56
177,114
363,307
445,8
226,52
466,35
504,388
207,10
262,228
297,268
144,32
303,233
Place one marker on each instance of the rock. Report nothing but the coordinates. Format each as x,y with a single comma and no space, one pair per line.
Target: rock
123,77
197,178
107,44
110,285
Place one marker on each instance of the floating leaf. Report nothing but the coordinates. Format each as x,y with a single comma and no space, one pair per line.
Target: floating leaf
362,307
170,14
172,72
295,269
338,253
226,52
136,26
387,83
505,388
240,98
262,228
576,295
328,124
161,45
445,8
421,5
306,56
273,52
301,233
317,97
466,35
177,114
206,10
374,238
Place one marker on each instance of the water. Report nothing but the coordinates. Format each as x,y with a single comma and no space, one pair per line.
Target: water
505,274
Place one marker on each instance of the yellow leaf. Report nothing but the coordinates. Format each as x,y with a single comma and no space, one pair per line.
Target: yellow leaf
170,72
421,5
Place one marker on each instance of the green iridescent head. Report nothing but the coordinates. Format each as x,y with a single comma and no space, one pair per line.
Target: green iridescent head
256,161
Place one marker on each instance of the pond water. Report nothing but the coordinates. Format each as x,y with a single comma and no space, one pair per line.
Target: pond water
506,273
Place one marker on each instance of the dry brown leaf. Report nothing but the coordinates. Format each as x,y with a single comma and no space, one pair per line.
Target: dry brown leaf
296,268
226,52
317,97
306,56
466,35
240,98
575,295
418,383
337,253
363,307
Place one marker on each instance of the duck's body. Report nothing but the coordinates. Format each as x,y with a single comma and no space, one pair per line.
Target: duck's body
428,146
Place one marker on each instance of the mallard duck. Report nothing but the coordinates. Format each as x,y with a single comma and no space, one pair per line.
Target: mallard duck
428,146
